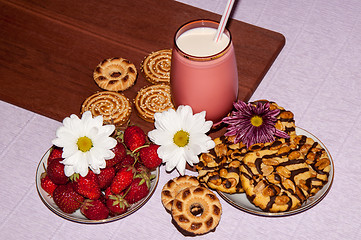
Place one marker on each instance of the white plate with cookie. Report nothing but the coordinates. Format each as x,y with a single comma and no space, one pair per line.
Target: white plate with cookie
240,200
77,216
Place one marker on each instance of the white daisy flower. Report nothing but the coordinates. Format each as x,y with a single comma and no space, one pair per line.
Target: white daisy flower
181,136
85,142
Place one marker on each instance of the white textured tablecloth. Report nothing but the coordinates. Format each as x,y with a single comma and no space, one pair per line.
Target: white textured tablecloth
317,76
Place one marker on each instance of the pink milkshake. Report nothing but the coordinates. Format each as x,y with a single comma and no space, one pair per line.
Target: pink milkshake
204,72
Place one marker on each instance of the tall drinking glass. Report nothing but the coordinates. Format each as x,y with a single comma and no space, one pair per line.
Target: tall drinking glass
204,73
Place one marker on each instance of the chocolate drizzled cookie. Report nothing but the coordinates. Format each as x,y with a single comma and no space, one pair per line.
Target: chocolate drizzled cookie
220,168
282,175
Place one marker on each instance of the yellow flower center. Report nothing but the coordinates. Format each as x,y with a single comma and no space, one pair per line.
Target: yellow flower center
256,121
84,144
181,138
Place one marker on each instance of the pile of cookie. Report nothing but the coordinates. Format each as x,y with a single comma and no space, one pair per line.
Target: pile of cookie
115,75
194,208
276,176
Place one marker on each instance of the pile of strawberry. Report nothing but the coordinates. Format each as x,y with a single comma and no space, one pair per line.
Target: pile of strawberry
124,181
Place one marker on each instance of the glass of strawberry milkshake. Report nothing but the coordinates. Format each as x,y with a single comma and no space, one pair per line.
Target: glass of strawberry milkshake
204,71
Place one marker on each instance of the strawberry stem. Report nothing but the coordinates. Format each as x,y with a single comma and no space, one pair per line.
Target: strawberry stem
126,192
143,146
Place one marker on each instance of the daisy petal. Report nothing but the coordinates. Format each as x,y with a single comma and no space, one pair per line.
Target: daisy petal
160,137
68,170
166,152
181,166
171,163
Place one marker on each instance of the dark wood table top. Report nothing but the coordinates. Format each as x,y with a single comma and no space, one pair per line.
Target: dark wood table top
49,49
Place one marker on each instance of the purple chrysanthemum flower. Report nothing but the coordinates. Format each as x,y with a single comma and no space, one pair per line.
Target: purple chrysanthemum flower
253,124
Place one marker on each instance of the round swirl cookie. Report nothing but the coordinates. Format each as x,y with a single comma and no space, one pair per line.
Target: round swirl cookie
114,107
196,210
156,66
115,74
174,186
152,99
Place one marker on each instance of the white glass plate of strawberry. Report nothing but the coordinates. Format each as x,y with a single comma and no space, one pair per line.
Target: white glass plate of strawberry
121,188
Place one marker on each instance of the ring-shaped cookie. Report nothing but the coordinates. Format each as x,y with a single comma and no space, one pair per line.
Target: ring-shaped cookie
196,210
115,74
174,186
114,107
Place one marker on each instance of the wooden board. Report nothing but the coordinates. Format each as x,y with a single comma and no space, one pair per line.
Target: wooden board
49,49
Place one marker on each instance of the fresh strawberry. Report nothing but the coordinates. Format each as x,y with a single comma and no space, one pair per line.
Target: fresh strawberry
105,177
103,199
134,137
138,190
67,199
87,186
55,153
122,179
149,156
142,171
46,183
107,192
94,209
127,160
55,171
117,204
120,152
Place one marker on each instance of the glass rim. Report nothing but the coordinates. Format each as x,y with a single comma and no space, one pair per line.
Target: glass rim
203,58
